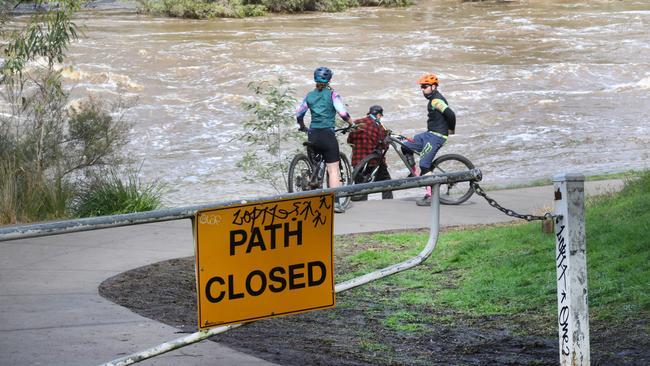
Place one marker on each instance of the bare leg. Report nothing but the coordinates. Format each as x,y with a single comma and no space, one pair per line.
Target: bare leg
334,181
334,174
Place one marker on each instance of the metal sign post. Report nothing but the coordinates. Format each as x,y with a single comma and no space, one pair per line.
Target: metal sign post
571,264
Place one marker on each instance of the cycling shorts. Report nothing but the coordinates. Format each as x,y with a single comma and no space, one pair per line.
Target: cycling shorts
324,141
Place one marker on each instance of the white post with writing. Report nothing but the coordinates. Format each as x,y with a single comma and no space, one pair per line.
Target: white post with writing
571,263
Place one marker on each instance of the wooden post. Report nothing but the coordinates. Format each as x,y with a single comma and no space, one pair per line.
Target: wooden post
571,263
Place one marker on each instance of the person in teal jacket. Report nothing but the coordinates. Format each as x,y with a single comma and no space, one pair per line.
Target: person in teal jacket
324,103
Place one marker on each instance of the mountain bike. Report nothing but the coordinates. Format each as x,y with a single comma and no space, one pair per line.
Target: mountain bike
450,193
309,171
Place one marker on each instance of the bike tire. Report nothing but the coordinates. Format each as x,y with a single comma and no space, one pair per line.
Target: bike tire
453,193
346,178
366,171
300,172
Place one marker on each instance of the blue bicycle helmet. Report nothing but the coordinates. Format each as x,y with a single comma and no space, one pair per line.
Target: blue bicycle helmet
323,75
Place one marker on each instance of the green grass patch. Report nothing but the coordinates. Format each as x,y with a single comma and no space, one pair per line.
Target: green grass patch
403,320
510,270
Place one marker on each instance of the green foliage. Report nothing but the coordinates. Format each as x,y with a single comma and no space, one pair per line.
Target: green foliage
26,195
46,149
47,35
203,9
107,193
94,137
267,133
206,9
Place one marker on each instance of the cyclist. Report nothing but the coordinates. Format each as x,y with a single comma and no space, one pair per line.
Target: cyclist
324,103
366,138
441,122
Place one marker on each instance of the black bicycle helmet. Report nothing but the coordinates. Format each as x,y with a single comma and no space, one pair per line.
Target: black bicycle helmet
376,109
323,75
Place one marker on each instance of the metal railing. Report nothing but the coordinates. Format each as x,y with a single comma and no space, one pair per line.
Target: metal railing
69,226
188,212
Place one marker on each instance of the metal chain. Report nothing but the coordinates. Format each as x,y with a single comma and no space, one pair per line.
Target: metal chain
507,211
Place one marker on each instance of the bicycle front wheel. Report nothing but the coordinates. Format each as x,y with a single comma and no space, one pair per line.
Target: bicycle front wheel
453,193
300,172
346,178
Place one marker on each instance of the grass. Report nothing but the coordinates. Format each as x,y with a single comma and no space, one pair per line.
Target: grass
110,194
510,270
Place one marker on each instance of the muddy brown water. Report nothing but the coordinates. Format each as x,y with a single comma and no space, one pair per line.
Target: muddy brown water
539,88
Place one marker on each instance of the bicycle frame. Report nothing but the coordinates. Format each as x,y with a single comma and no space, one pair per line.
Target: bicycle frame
317,160
315,176
391,141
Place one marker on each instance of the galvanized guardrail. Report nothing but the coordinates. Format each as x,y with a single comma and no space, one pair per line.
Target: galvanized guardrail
188,212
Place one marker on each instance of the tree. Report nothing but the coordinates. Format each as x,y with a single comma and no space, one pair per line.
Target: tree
48,151
268,133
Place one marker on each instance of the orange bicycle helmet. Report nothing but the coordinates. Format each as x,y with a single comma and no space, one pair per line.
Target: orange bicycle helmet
428,79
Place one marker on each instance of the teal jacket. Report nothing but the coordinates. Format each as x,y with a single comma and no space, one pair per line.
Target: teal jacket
323,104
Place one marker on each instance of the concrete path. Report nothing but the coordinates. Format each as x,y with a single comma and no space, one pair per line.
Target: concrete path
52,314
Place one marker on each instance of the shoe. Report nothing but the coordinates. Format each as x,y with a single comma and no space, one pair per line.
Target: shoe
425,201
338,208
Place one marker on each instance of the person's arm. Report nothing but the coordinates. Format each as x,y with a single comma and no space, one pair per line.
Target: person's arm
447,113
300,114
355,135
340,108
450,117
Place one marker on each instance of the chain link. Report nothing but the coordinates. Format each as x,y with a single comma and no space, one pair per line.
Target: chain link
478,190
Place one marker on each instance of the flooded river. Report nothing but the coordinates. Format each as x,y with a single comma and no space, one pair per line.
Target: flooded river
538,87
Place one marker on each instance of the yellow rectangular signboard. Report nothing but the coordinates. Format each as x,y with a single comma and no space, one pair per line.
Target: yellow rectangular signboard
264,259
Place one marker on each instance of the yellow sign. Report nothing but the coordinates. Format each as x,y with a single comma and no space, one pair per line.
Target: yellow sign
264,259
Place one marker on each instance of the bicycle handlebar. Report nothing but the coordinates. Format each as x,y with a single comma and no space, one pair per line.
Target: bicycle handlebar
342,130
346,129
396,137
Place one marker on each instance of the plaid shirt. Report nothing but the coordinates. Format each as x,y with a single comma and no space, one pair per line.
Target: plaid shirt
369,137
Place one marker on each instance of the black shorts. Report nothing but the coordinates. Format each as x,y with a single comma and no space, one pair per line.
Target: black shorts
325,142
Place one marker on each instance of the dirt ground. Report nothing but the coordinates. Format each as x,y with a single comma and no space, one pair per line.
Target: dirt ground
354,333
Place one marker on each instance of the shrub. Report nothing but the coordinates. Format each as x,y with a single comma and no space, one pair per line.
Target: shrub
205,9
106,193
202,9
267,133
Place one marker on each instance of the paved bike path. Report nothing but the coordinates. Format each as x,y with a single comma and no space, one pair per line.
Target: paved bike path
52,314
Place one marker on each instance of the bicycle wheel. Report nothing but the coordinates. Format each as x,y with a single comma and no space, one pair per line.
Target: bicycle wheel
300,171
346,178
453,193
366,172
